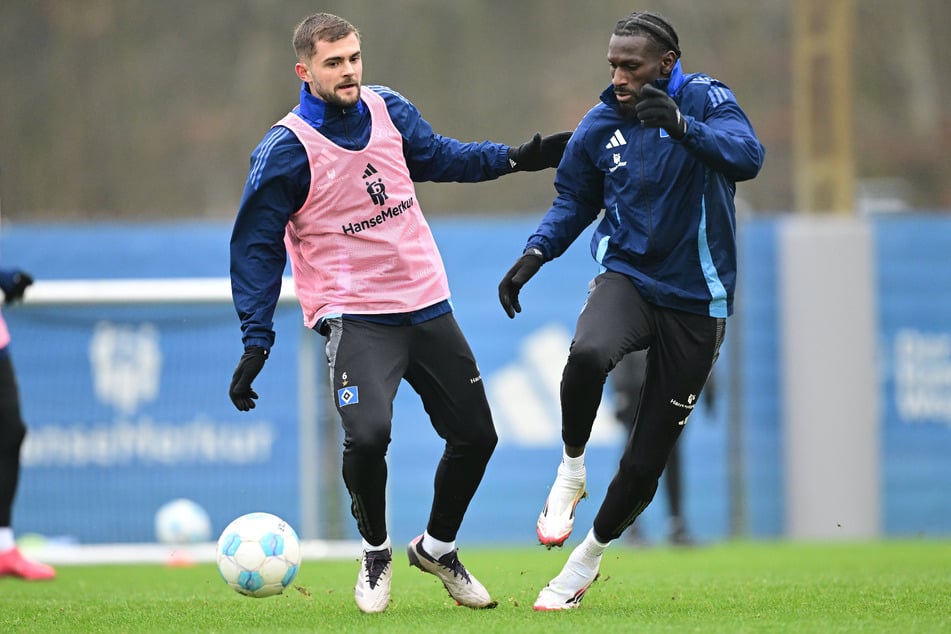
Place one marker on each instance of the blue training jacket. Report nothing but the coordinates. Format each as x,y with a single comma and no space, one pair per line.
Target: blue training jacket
279,181
670,221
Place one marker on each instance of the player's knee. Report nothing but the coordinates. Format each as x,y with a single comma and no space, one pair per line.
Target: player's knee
643,472
641,486
480,441
369,441
588,360
477,443
486,441
474,428
652,471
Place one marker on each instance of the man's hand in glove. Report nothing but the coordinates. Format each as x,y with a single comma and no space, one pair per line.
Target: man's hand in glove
539,153
14,286
657,110
515,279
248,368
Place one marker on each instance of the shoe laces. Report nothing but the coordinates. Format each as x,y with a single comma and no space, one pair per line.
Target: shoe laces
451,561
376,563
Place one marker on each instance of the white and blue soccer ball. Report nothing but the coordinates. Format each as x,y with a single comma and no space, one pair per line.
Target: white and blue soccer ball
258,554
182,521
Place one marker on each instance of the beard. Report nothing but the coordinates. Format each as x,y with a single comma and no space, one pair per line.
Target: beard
332,97
628,110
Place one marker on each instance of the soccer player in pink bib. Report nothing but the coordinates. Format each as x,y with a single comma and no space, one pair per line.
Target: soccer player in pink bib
331,187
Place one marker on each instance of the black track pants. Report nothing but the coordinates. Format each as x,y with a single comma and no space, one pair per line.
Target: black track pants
367,362
682,348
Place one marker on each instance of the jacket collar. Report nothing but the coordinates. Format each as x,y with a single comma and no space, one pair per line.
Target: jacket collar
671,84
317,111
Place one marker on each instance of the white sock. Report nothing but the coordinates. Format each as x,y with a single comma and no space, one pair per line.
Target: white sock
436,548
591,548
6,539
572,466
386,544
583,564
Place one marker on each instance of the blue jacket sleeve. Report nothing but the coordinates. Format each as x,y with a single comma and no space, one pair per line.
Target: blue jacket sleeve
724,139
434,158
276,187
580,187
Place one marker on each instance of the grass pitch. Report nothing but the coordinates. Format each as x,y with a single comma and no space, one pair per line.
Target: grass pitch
895,586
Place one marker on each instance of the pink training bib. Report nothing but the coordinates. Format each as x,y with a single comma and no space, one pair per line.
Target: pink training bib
360,243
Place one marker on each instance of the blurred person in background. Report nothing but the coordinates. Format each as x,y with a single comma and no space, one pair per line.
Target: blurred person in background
12,434
661,155
331,186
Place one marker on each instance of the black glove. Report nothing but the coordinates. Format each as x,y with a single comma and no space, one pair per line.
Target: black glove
20,281
248,368
515,279
657,110
539,153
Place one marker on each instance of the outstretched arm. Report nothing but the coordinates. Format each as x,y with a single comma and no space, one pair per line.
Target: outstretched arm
435,158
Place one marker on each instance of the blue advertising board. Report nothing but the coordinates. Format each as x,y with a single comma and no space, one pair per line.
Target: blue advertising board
127,409
127,404
914,314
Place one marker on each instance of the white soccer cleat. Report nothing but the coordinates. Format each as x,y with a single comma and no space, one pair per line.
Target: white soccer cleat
557,519
459,582
372,592
565,591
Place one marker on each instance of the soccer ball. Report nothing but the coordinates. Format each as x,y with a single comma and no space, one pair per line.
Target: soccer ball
182,521
258,554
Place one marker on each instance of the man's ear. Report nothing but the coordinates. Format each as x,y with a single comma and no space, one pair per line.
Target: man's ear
302,72
667,62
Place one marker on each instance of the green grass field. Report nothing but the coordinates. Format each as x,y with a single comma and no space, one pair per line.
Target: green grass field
898,586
